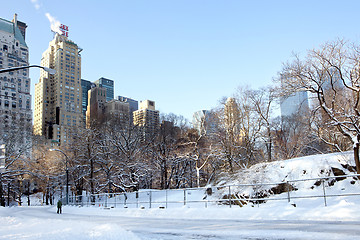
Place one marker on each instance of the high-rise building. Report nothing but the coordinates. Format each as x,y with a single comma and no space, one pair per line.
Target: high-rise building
108,85
148,118
58,105
99,111
15,98
95,106
297,103
85,87
203,122
133,105
231,116
117,112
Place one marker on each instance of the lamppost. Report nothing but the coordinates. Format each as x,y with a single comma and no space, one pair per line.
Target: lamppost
67,173
49,70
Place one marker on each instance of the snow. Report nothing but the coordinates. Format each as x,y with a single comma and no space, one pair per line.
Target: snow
293,169
55,227
275,219
15,224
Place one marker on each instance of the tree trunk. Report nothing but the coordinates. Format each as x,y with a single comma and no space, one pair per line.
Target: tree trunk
162,174
198,176
190,174
109,184
19,199
269,145
8,195
51,197
47,197
28,193
165,175
92,190
356,157
230,164
2,199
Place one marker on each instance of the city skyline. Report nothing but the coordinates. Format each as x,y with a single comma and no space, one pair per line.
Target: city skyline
184,55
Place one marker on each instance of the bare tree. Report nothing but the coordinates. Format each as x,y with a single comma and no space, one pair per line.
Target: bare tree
293,137
262,101
16,160
332,74
49,171
196,148
240,130
129,148
85,148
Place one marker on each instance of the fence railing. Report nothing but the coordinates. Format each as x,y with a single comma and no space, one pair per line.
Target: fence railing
240,194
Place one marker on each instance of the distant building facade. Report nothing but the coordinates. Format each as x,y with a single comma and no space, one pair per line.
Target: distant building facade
15,98
148,118
231,119
117,112
108,84
95,106
58,105
100,111
85,87
296,103
133,105
203,122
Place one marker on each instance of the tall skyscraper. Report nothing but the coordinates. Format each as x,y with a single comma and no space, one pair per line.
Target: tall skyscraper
58,108
203,122
85,87
15,98
95,106
297,103
148,118
108,85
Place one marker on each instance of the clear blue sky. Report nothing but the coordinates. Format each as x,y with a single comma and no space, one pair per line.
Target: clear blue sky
185,54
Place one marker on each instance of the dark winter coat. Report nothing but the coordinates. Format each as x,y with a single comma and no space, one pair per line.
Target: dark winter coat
59,204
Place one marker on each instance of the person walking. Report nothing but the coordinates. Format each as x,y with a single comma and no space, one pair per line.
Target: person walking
59,205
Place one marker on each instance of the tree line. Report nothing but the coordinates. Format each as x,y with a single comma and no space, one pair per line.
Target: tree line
240,132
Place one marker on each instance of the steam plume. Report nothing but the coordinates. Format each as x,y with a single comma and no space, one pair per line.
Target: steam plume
55,24
36,4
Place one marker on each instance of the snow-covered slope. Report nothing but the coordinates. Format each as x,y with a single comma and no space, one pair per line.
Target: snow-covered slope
293,169
302,174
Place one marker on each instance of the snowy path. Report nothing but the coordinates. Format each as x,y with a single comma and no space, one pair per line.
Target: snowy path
85,223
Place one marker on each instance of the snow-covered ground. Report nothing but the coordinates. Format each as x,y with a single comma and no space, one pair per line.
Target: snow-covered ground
340,221
277,219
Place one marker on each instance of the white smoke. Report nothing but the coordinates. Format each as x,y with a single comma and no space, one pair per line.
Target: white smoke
55,24
36,4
